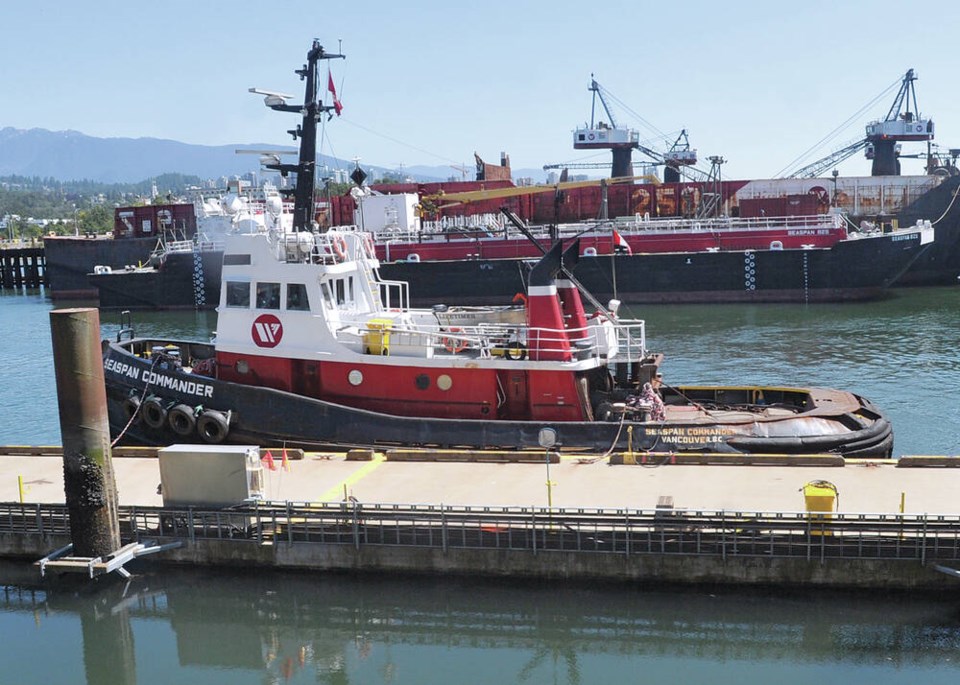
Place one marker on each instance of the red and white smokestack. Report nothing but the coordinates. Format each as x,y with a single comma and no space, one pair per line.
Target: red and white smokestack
548,339
574,316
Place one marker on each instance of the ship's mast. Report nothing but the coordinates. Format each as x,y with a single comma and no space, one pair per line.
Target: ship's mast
306,167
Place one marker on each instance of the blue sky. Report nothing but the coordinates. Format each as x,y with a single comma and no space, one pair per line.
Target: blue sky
430,82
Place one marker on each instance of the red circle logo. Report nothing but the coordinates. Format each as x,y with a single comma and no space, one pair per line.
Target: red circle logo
266,331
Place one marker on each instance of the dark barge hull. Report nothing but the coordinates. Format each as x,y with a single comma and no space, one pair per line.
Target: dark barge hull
851,270
177,284
69,260
939,265
269,417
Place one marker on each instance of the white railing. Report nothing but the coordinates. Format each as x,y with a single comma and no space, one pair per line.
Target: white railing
634,225
623,342
394,294
641,224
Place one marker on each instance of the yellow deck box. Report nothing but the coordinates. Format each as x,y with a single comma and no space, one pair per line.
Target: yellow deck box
376,339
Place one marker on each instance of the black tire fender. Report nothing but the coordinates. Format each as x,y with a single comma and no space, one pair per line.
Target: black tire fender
154,412
213,426
181,419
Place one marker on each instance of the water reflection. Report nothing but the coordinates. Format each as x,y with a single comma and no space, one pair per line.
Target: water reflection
200,626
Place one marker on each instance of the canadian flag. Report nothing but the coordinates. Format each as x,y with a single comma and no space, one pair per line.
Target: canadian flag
620,243
337,107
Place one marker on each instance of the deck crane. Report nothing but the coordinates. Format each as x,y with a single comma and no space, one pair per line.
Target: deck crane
883,137
902,122
621,141
679,154
607,136
464,170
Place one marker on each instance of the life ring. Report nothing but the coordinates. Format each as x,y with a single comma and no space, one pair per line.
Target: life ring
181,419
454,344
339,246
213,426
520,298
153,412
131,407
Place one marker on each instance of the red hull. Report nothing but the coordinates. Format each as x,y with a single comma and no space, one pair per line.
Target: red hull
434,392
455,246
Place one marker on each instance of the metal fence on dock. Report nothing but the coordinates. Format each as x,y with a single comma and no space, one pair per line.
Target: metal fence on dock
813,536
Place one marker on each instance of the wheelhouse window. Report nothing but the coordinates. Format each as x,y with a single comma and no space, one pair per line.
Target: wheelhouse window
268,296
297,297
238,294
344,290
327,297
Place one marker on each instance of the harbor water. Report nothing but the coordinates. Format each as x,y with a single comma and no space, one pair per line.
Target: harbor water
257,626
208,628
903,353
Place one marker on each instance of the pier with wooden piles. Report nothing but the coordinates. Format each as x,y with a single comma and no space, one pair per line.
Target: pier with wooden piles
22,266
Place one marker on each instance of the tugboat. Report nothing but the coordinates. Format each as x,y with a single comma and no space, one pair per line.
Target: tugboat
315,348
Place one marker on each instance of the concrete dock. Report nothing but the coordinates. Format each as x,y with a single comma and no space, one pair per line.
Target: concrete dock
864,487
662,520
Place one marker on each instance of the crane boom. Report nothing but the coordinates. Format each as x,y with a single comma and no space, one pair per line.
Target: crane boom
882,140
598,92
816,168
497,193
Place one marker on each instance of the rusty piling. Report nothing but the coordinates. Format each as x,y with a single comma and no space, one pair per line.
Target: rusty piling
89,483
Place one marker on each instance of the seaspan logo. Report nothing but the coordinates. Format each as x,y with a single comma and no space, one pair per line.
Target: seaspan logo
267,331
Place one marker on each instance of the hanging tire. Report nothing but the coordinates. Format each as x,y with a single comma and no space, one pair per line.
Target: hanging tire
213,426
181,419
604,412
154,413
516,351
131,409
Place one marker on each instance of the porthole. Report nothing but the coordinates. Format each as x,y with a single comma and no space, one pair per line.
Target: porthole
444,382
355,377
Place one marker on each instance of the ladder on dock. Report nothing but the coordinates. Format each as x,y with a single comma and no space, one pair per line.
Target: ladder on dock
61,561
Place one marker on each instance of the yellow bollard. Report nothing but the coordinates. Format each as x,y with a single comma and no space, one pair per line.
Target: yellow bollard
21,487
903,501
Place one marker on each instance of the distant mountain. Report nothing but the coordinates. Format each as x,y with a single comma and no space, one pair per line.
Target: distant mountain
70,155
